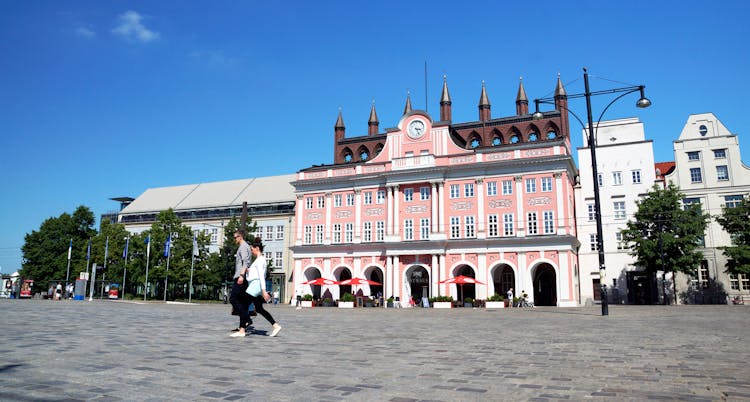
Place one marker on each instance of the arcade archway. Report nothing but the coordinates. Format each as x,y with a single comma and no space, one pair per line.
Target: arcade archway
469,289
545,285
503,278
418,283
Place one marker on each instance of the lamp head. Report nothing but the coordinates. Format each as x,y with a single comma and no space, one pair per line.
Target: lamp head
643,102
537,115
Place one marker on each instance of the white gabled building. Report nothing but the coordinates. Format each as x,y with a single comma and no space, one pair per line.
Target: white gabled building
626,172
710,171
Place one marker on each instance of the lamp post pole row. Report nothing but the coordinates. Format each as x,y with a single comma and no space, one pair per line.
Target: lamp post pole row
643,102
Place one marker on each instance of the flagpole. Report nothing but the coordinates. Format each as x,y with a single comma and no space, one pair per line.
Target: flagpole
125,267
106,254
93,280
192,264
168,250
88,255
148,257
67,274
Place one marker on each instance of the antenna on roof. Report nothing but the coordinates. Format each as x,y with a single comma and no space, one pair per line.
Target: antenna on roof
425,85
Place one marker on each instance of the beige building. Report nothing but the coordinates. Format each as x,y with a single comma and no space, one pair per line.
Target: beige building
709,171
208,207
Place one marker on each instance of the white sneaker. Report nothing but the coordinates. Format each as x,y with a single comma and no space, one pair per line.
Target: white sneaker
276,329
238,334
299,308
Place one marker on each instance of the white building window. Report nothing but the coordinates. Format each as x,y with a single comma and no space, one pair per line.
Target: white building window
532,223
619,207
507,187
695,175
469,190
379,230
720,153
308,202
381,197
337,200
722,173
492,225
491,188
367,232
337,233
308,234
469,226
279,259
319,234
408,229
531,185
549,222
508,227
269,257
703,275
269,233
617,178
280,232
214,236
591,212
620,244
593,244
636,176
424,193
455,227
455,191
350,199
349,233
368,198
732,201
694,155
546,184
424,228
321,201
408,194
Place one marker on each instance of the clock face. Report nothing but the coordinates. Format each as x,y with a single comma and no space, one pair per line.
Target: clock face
415,129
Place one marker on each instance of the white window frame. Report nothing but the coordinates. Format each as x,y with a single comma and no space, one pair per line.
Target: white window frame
455,227
492,226
619,209
349,233
424,193
722,172
321,201
593,243
337,233
635,175
532,223
279,232
367,199
468,190
380,197
455,191
508,225
491,188
408,194
337,200
720,153
380,231
424,228
507,187
279,260
367,232
696,175
269,233
469,227
531,185
308,203
308,234
694,155
408,229
617,178
549,222
546,184
349,199
319,234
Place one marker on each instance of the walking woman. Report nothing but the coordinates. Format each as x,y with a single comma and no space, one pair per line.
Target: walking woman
257,270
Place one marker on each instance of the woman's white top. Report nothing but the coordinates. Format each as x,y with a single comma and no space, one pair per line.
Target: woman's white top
257,270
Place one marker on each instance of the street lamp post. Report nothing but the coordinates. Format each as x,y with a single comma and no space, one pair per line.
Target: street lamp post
643,102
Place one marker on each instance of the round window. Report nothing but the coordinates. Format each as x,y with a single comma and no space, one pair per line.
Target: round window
703,130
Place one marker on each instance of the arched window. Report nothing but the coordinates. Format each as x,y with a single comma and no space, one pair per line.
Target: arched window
347,155
551,135
533,136
515,139
496,141
378,149
475,142
364,154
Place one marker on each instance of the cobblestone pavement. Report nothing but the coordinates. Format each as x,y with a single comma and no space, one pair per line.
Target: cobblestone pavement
111,351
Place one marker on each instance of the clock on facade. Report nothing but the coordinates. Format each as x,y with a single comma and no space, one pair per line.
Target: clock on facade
415,129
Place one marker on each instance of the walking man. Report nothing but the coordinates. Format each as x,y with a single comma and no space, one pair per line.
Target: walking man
510,297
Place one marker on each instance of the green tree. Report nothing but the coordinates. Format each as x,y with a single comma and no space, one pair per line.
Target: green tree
45,251
736,221
665,235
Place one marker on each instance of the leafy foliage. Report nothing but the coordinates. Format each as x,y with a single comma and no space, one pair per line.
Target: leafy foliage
664,235
736,221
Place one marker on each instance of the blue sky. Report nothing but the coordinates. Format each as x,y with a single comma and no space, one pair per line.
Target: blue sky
102,99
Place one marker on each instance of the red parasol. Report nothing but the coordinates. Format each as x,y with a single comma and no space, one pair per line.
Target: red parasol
320,282
462,280
357,281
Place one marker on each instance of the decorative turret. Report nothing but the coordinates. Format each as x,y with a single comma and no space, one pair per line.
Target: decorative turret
445,102
561,101
407,107
373,123
484,105
339,129
522,102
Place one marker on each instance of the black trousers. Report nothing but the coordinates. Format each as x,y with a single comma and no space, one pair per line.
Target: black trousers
240,301
258,302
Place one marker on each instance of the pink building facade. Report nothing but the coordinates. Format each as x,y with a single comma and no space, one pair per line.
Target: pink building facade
429,200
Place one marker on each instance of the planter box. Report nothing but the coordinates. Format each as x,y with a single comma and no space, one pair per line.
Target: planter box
442,305
494,304
307,303
343,304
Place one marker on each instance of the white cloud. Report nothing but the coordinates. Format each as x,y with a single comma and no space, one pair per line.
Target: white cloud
84,32
131,28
